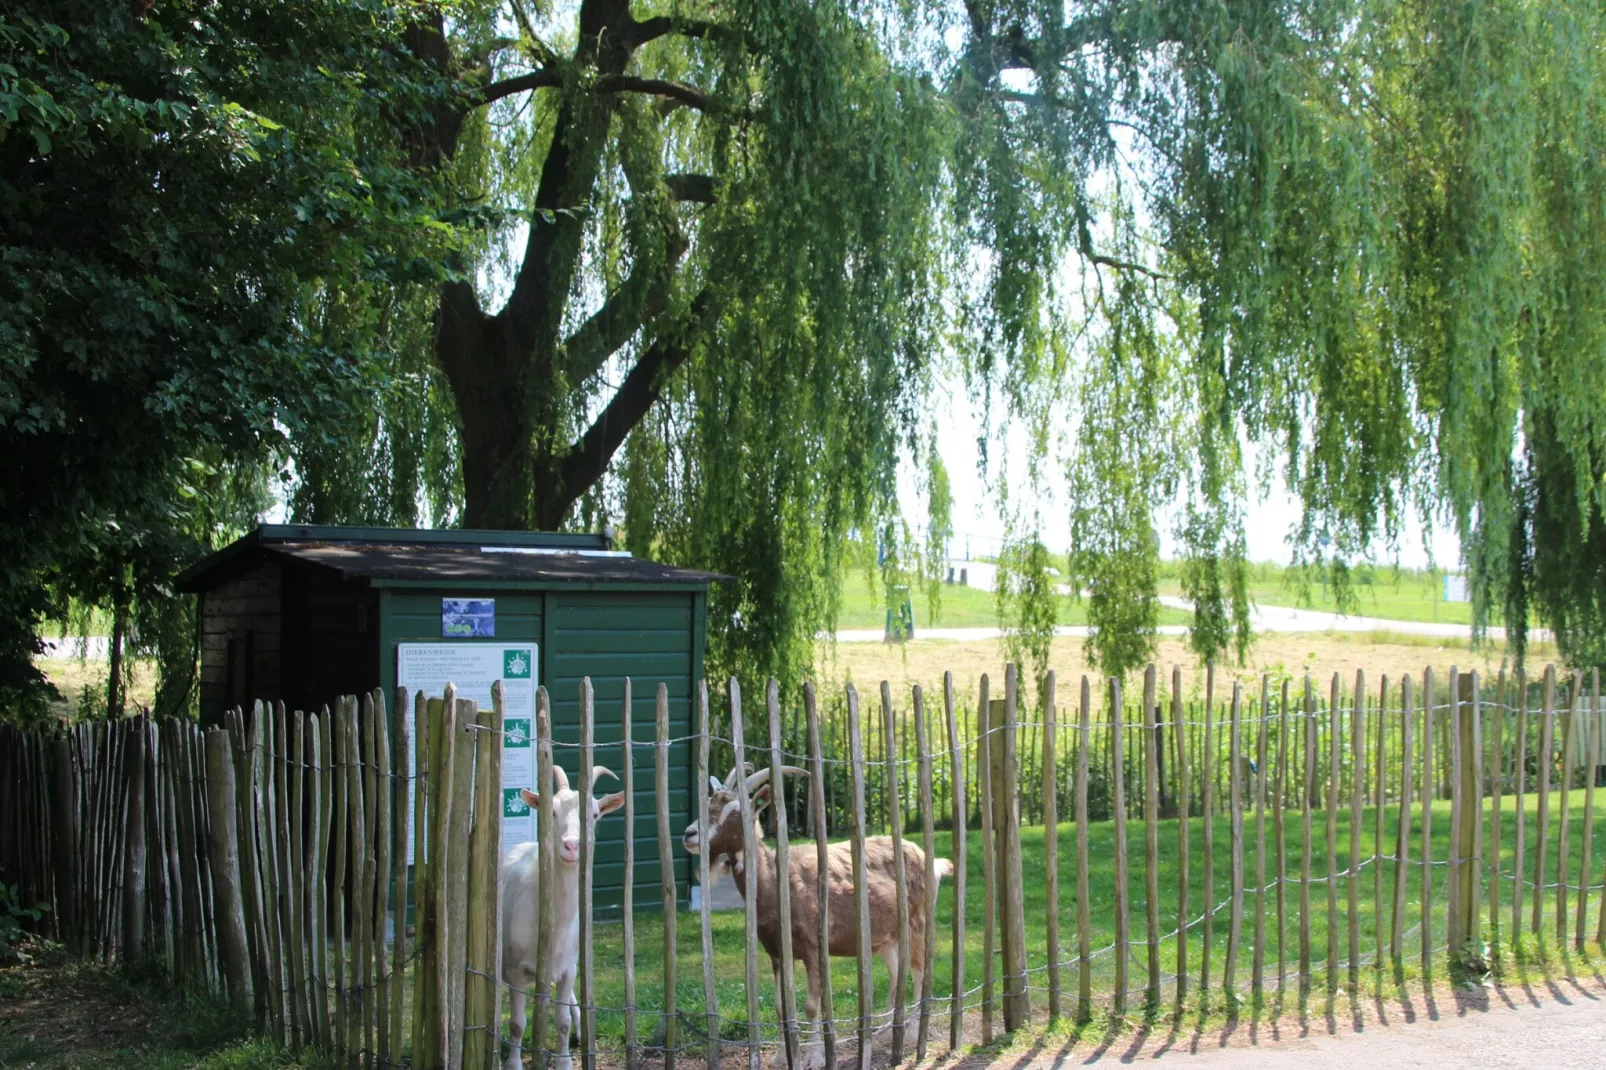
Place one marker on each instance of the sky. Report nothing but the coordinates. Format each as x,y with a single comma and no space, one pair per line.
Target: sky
979,522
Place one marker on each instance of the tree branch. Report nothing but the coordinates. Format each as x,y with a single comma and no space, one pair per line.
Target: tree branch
523,83
588,458
645,30
547,78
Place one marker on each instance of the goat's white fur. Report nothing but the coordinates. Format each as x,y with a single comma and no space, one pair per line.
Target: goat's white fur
521,916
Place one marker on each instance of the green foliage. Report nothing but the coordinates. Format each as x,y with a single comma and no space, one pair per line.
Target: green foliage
1029,609
449,261
13,913
172,187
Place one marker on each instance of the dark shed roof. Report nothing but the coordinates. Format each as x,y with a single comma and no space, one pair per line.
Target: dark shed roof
405,556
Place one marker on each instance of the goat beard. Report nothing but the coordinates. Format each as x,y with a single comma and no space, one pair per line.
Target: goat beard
719,868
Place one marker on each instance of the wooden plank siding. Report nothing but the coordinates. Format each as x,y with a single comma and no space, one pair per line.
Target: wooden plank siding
245,610
649,637
646,635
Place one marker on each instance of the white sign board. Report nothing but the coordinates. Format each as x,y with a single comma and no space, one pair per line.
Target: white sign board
474,667
1455,588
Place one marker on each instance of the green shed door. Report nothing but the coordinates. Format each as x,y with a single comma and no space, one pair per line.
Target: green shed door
651,638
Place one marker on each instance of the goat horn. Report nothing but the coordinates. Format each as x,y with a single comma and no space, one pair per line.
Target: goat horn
758,779
600,771
559,778
730,779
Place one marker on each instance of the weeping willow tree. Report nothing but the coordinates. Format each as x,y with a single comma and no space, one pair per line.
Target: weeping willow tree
721,253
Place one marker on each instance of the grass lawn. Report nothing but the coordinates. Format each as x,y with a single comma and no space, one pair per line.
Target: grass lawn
863,606
1390,594
729,942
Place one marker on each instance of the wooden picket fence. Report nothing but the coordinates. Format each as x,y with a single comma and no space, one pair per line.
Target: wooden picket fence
264,860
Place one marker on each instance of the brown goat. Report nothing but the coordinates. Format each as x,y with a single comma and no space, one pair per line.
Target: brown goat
725,847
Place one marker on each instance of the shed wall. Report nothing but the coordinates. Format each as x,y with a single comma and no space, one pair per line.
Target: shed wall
244,612
649,636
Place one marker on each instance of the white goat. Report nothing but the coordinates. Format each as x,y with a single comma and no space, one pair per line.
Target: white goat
521,906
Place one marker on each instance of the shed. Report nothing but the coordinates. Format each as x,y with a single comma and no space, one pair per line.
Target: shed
303,613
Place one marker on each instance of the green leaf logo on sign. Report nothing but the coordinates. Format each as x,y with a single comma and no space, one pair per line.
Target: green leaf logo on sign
513,804
515,665
516,732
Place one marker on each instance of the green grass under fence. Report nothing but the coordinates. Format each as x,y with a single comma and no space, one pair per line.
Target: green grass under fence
729,942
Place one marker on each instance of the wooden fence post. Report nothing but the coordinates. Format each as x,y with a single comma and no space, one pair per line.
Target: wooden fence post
381,796
861,902
785,996
1563,839
223,852
1235,916
1151,836
1519,770
1306,790
1430,698
1017,997
482,1016
1123,923
1591,769
1357,727
961,842
64,838
627,772
1051,839
705,876
1545,756
749,850
666,871
1207,783
317,901
989,855
1257,984
546,867
928,845
402,766
1084,916
1334,712
892,787
133,936
811,717
1180,733
1278,800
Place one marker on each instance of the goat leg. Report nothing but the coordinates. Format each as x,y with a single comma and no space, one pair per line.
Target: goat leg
515,1059
568,1016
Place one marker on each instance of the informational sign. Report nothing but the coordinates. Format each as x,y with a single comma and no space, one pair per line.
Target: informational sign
468,618
474,667
1455,588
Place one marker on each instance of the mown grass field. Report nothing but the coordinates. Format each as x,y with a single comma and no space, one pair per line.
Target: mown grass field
729,942
1388,593
864,606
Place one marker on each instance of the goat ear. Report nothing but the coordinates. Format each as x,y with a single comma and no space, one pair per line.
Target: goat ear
609,803
714,785
531,799
761,798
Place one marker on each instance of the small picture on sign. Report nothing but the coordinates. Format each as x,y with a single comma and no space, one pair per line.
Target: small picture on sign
515,665
516,732
468,618
513,804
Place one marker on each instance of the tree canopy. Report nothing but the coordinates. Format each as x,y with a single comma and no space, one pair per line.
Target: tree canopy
703,264
177,184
